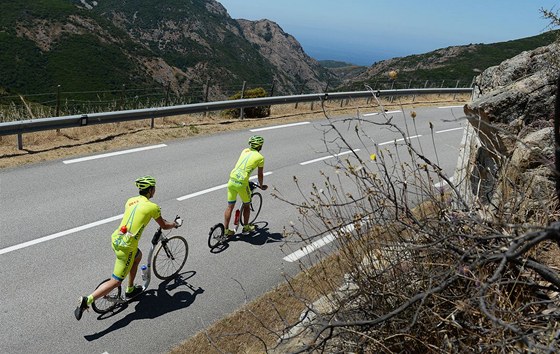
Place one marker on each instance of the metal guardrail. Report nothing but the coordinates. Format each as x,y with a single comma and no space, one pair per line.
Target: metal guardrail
42,124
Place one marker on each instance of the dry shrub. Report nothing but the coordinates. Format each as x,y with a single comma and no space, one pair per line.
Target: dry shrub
445,276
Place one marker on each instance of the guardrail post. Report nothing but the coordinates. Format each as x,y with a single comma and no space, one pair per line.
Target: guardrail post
442,81
241,112
557,138
57,105
206,90
167,94
122,97
301,93
58,100
456,85
272,87
20,141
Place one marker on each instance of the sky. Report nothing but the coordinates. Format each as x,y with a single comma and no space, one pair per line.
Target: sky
366,31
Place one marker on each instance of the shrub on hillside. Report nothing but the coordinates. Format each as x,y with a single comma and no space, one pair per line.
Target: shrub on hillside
250,112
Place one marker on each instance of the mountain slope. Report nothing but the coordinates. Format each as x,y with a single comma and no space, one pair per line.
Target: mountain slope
88,45
450,64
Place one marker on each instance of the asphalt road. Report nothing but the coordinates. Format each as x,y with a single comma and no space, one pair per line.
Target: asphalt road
57,217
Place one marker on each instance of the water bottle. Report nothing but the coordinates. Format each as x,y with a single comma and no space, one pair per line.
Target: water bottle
144,270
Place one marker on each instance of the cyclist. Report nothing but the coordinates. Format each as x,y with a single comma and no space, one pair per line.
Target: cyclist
238,183
138,212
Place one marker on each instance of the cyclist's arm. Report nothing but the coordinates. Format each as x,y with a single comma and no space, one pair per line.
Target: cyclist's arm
166,224
260,174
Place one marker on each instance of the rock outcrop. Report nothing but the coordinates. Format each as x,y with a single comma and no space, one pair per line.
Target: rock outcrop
287,55
509,140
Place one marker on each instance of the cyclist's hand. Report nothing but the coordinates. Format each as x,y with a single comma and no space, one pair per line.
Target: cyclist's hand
178,222
264,187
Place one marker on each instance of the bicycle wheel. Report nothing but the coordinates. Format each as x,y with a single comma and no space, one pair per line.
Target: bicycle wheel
216,235
170,257
256,205
108,302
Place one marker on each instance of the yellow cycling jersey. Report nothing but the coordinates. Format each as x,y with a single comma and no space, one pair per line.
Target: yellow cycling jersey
248,161
138,212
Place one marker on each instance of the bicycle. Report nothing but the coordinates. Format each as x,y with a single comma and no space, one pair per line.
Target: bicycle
170,257
216,237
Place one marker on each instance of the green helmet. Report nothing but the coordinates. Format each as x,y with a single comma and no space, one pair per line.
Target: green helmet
145,182
255,142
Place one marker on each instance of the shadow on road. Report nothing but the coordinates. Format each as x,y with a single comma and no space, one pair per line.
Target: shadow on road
154,303
259,237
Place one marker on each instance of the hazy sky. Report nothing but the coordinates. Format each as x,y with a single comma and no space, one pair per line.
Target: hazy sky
365,31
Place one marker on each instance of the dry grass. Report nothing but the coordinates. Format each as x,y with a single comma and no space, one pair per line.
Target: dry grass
50,145
249,329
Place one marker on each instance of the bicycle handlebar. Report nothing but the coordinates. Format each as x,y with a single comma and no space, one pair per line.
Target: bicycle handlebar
253,185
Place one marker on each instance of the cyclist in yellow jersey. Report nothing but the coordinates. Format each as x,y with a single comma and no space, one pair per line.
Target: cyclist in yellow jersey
138,213
238,184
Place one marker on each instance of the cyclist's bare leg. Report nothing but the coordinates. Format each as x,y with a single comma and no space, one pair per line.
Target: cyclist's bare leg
134,268
105,288
227,214
246,213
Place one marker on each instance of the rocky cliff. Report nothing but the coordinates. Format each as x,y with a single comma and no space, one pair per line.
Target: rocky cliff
287,56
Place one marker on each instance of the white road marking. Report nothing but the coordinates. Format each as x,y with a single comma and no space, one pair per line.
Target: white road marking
443,183
451,107
448,130
97,223
302,252
196,194
278,127
327,157
82,159
376,113
59,234
396,140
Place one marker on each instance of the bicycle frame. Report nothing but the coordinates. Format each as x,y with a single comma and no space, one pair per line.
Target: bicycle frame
155,240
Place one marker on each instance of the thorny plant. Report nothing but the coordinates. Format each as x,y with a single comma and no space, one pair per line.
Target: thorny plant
427,270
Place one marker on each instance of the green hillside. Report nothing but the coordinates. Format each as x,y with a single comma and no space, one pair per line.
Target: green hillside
46,43
77,62
440,66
